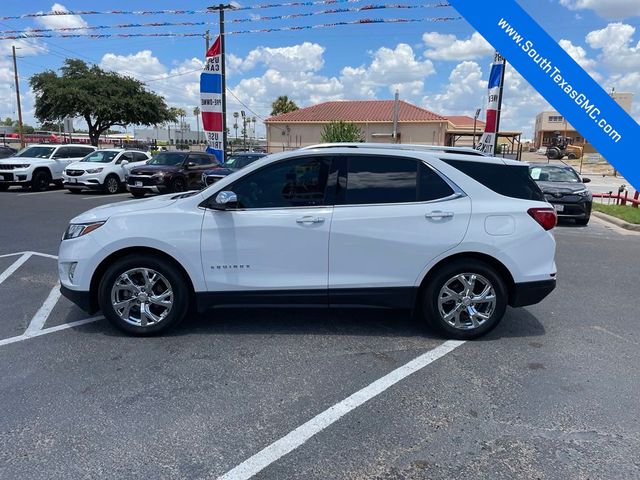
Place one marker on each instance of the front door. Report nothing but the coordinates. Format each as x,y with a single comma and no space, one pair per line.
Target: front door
393,218
277,239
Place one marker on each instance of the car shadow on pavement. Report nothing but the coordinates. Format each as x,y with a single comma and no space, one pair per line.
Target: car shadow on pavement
322,321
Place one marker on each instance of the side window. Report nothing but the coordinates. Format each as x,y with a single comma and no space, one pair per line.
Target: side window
431,186
63,152
139,157
83,151
293,183
372,179
201,159
126,156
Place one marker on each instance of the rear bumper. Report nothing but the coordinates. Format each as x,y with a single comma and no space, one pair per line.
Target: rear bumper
530,293
81,298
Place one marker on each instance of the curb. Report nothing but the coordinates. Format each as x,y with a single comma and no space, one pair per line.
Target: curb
616,221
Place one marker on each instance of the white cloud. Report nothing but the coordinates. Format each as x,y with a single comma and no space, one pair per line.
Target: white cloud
449,47
606,8
306,56
616,42
579,54
62,21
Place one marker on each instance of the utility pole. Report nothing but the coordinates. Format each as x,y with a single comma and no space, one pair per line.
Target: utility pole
475,120
206,41
221,8
15,75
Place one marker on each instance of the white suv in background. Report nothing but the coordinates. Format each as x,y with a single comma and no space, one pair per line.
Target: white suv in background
38,166
105,170
453,237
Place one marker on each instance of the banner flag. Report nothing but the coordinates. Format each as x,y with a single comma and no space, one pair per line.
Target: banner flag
211,101
559,79
487,143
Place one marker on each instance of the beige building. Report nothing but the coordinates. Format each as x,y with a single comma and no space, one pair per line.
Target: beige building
551,121
304,127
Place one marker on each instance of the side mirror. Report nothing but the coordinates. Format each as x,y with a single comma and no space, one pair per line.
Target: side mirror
124,162
191,164
586,180
225,200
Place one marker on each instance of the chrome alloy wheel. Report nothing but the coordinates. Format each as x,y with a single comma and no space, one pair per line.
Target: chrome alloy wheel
142,297
112,185
467,301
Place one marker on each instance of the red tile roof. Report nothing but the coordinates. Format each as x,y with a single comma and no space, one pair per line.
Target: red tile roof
463,121
358,111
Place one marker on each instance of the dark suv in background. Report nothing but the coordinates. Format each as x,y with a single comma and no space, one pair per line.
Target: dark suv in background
170,172
234,163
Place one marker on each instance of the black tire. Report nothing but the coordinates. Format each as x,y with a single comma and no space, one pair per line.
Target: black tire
172,276
572,156
75,191
137,192
3,187
583,221
111,184
178,185
431,293
40,181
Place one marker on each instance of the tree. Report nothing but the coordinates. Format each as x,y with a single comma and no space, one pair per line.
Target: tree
336,132
282,105
103,99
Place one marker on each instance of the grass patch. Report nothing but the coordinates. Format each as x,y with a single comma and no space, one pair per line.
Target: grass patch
626,213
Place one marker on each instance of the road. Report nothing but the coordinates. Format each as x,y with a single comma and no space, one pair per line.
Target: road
551,393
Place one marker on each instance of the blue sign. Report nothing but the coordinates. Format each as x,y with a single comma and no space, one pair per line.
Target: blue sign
559,79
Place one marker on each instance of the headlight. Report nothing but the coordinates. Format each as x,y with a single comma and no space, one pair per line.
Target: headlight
582,193
159,174
94,170
75,230
23,165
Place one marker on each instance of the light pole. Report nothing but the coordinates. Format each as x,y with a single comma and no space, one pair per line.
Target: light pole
475,119
221,8
244,130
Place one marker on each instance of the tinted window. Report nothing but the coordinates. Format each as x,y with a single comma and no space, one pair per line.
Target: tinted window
201,159
168,158
36,152
508,180
139,157
128,156
64,152
380,180
82,151
293,183
431,186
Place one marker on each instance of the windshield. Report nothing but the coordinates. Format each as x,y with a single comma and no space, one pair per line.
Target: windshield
36,152
101,156
554,174
168,158
239,161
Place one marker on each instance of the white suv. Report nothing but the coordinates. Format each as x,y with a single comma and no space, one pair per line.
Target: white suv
40,165
453,237
105,170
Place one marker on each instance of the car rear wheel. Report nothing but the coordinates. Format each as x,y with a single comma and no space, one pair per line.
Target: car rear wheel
111,184
582,221
143,295
464,300
137,192
40,181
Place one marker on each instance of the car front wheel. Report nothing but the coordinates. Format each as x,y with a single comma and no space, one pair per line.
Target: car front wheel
464,300
111,184
137,192
143,295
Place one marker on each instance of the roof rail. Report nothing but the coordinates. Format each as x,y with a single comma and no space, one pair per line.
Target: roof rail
401,146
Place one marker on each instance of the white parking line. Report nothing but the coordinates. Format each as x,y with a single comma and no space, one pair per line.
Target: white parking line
46,331
15,266
12,254
39,319
41,193
304,432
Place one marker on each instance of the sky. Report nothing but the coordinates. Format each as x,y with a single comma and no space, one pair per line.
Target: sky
440,66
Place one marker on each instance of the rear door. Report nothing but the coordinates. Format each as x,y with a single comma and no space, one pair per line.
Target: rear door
202,162
392,216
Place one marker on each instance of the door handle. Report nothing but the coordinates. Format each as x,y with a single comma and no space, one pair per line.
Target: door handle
309,219
438,214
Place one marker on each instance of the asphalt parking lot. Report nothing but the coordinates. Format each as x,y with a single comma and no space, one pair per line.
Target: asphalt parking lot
551,393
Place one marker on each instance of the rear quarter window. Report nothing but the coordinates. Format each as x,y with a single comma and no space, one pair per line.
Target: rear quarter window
509,180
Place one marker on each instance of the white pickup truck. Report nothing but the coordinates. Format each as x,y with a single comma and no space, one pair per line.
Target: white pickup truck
37,166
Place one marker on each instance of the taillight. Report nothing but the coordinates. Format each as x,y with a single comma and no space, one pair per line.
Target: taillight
546,217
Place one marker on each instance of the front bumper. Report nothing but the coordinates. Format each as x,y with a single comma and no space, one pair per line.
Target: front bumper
578,209
84,181
530,293
81,298
15,177
147,182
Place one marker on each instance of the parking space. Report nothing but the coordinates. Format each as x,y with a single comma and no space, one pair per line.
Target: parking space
302,393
